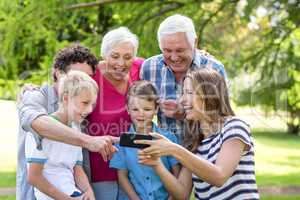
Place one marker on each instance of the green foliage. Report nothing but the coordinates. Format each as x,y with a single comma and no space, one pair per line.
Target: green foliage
274,54
256,37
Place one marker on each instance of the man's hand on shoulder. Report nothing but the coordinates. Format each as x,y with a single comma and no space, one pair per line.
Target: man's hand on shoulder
26,87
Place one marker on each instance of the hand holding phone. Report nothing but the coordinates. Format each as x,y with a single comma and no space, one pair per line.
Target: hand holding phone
172,109
127,140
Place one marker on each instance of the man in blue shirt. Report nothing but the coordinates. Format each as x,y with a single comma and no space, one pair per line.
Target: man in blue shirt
178,42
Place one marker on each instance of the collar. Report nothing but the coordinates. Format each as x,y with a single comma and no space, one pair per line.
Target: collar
196,62
154,128
197,59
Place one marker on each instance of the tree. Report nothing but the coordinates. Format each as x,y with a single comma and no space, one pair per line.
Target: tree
273,52
256,37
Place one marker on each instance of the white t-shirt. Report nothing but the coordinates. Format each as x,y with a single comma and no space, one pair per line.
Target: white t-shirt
59,160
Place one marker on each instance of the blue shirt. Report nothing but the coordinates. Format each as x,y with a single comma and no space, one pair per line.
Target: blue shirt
143,178
155,70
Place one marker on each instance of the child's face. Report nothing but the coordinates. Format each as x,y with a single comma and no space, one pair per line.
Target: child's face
141,112
80,106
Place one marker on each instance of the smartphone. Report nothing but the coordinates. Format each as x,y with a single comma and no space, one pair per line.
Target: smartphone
127,140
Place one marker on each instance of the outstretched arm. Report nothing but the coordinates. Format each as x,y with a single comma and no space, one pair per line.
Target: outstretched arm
34,118
49,128
215,174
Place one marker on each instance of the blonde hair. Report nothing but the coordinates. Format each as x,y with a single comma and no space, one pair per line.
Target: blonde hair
74,82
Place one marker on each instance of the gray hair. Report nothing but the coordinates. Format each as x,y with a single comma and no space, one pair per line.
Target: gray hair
117,36
175,24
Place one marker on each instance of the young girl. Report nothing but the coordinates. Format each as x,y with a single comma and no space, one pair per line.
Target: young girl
140,181
56,171
219,159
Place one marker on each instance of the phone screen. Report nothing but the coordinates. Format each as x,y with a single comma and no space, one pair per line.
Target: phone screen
127,140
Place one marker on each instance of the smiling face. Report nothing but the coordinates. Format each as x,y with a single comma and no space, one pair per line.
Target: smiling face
192,101
177,51
80,106
141,112
119,61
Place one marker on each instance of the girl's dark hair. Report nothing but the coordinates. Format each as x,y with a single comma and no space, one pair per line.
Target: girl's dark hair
192,135
72,54
144,90
211,87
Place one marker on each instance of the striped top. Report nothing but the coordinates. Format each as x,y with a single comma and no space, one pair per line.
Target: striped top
242,184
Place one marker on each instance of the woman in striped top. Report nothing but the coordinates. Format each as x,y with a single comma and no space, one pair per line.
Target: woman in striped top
218,158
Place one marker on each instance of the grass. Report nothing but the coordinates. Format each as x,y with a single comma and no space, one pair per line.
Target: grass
277,158
10,197
281,197
8,179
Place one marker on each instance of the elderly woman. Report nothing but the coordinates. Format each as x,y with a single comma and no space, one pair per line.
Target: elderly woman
115,73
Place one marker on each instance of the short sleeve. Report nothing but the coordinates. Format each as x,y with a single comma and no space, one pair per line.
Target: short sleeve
32,154
118,160
79,160
237,129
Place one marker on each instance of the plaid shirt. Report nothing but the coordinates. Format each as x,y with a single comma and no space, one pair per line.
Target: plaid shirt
155,70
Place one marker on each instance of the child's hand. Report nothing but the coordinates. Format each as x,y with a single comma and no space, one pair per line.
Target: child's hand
150,160
88,195
171,108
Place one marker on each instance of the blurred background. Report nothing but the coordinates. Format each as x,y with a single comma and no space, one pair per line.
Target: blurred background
257,41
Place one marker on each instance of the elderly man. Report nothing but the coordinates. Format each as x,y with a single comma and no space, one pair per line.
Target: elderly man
35,106
178,42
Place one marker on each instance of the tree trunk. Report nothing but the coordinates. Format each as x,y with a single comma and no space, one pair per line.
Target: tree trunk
293,129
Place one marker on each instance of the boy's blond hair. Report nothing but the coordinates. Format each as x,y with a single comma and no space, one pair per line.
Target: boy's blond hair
74,82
